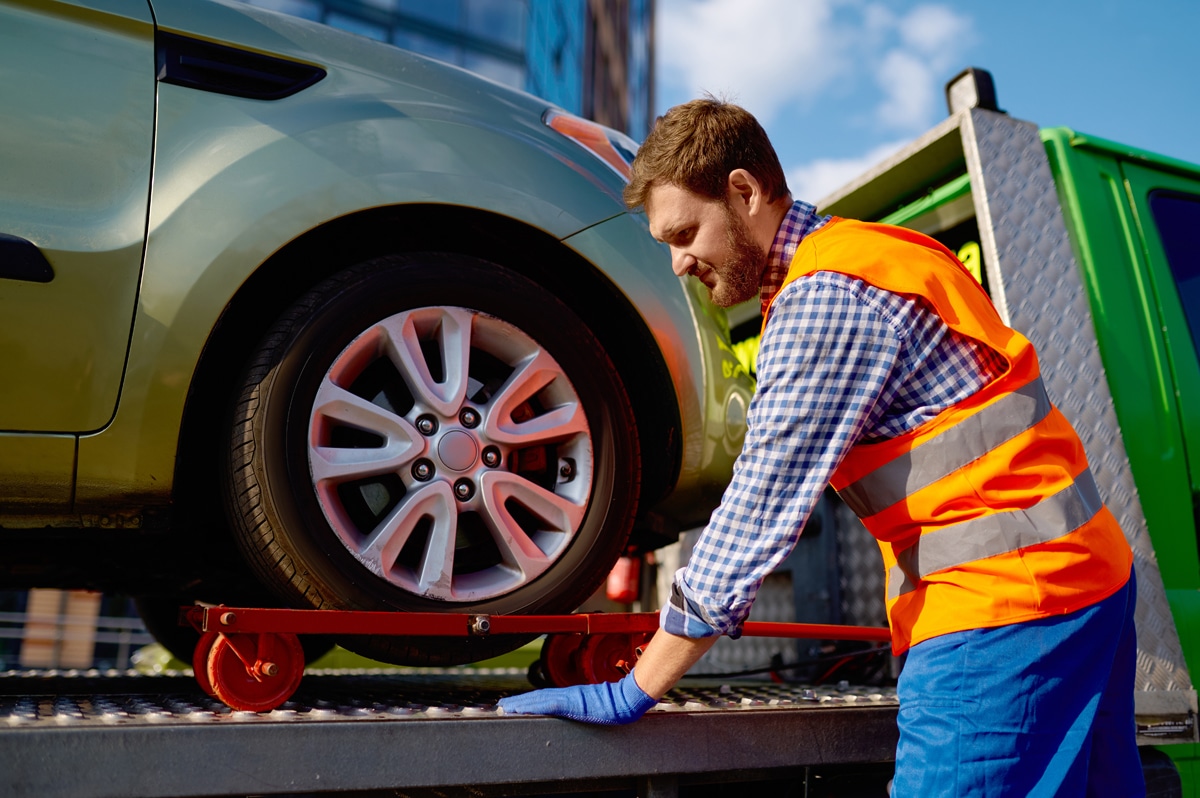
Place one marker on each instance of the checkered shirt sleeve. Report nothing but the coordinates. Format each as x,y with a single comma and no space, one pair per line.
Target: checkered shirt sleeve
840,361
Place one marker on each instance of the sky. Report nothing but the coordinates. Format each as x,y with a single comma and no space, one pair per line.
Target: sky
841,84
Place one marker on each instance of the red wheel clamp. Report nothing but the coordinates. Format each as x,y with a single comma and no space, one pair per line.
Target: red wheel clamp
250,657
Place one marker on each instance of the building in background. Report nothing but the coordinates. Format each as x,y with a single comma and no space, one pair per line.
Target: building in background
592,57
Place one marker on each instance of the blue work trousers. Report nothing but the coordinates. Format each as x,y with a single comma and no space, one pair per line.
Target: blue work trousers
1041,708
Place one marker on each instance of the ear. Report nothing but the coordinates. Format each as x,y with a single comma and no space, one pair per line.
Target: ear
744,190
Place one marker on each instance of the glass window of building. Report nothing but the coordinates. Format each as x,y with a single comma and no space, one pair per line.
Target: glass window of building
357,25
306,9
501,21
446,13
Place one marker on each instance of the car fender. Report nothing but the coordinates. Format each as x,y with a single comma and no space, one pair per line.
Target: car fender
222,204
692,336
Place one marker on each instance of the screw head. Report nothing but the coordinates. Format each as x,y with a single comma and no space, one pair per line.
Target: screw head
464,489
423,470
427,425
469,417
491,457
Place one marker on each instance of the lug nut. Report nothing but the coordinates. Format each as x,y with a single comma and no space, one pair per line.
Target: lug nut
464,489
469,417
566,469
427,425
423,470
491,457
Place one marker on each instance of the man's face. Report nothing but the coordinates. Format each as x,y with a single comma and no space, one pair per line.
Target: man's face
709,241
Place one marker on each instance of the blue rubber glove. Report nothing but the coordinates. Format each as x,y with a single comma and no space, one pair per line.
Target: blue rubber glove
609,704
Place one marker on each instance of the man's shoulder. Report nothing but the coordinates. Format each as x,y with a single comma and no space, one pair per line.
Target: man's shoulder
840,297
839,231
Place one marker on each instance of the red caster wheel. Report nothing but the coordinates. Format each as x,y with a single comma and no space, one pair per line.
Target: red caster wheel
560,660
255,672
608,657
200,660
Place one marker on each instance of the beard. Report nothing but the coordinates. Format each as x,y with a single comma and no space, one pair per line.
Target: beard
739,276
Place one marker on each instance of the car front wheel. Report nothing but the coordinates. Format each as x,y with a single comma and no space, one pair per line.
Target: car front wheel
432,432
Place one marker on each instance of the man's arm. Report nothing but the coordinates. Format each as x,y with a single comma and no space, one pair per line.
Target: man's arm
666,659
822,368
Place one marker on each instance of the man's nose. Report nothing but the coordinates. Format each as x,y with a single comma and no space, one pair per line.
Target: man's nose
681,262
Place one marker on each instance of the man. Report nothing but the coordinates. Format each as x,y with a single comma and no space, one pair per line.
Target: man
885,371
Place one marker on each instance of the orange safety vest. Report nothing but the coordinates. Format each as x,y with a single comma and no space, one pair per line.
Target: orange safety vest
986,514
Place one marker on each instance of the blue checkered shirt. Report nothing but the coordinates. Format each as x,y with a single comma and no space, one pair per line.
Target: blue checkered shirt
840,362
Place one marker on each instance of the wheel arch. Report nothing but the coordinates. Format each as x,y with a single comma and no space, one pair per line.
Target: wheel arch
338,244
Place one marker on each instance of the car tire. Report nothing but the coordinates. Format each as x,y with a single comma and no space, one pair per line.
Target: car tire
432,432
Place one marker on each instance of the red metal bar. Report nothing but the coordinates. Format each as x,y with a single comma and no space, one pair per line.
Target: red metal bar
584,623
327,622
438,624
816,631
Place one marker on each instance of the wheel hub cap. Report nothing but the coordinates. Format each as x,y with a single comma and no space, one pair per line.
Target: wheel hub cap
458,450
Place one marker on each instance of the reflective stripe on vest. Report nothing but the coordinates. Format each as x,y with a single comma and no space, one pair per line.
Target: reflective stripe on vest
1000,533
961,444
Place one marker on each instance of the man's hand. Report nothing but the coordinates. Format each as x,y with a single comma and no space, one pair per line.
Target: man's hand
609,704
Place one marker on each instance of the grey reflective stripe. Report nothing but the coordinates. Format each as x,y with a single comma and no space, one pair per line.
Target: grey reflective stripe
963,443
989,535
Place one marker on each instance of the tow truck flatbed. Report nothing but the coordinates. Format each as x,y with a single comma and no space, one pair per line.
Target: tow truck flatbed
88,734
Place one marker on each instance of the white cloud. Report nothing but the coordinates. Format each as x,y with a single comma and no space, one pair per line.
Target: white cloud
933,30
908,86
813,181
762,54
911,76
772,56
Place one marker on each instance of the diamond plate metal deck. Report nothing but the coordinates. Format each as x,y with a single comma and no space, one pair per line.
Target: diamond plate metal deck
90,735
86,699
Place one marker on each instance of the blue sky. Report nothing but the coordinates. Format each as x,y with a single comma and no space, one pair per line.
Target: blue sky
840,84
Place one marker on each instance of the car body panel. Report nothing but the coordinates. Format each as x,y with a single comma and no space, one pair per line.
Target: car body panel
75,156
305,160
35,473
224,203
692,333
240,186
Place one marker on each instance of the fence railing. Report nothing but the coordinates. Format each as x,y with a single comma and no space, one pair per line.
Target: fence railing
64,629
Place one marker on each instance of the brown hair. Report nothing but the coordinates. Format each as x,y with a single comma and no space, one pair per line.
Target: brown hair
697,144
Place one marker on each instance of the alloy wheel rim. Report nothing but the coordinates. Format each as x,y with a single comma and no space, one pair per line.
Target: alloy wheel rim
450,454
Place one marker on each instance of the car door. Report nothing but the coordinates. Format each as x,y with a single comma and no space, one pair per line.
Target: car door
75,165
